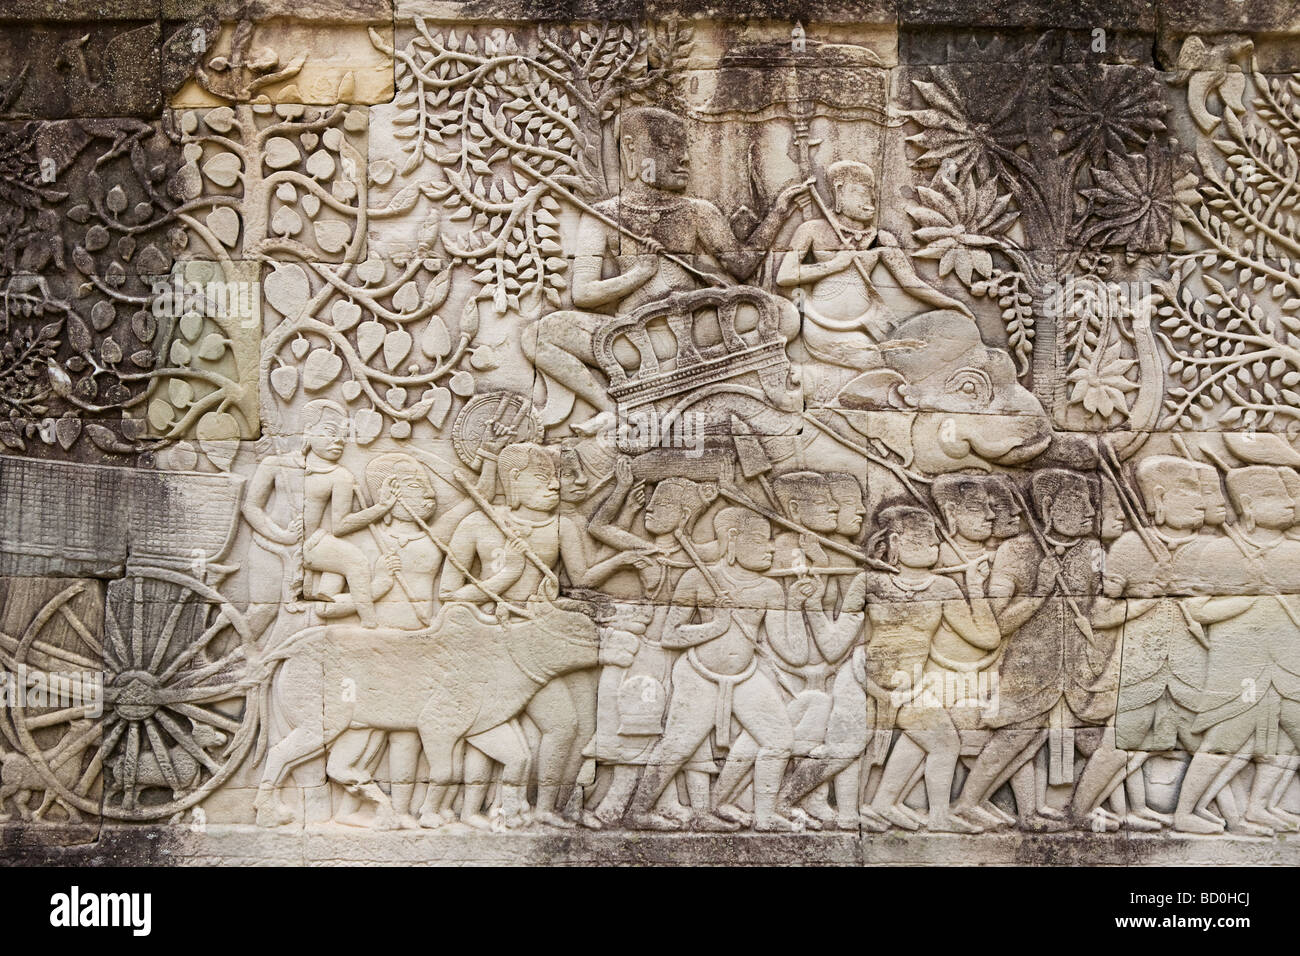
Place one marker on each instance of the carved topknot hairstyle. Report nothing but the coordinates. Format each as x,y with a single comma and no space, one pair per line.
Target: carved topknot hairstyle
798,485
894,520
849,170
694,497
512,460
1053,482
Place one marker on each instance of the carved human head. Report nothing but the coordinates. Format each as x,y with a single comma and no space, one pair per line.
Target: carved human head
745,538
416,496
676,503
905,537
1292,482
1171,489
1065,501
1110,512
574,481
852,507
583,462
1007,515
963,502
807,500
1216,505
528,477
325,428
1260,497
653,148
854,186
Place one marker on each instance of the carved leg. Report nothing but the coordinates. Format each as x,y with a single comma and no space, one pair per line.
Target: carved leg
553,710
563,351
690,718
301,744
403,761
759,708
506,745
346,766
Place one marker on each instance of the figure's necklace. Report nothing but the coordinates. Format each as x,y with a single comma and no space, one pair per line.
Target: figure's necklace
404,539
858,237
1061,545
1172,542
912,587
654,211
525,526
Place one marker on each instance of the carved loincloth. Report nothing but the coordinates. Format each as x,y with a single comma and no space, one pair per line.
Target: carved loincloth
727,684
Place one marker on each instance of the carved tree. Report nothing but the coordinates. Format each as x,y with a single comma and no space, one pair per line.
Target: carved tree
511,133
1033,176
85,307
1234,339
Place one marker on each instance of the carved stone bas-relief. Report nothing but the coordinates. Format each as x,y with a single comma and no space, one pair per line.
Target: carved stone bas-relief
432,418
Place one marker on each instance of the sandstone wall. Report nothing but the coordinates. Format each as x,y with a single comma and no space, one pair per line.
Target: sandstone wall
649,432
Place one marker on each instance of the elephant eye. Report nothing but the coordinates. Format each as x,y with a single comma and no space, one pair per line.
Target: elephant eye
970,384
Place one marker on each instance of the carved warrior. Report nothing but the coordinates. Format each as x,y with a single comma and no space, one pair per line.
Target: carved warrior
599,487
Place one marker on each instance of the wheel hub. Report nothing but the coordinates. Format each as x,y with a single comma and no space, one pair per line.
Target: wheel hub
137,695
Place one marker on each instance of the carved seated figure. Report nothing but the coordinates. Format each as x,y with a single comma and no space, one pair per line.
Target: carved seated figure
650,206
846,316
329,494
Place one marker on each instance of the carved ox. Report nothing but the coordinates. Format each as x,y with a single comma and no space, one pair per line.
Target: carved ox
464,676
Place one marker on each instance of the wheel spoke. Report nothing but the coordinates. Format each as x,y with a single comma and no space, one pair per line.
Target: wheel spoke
165,636
116,643
97,762
137,624
180,695
130,764
206,716
58,653
216,667
204,639
83,632
55,717
71,746
160,752
183,738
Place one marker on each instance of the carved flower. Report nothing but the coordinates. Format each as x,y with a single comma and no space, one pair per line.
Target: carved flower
1133,200
1114,112
964,132
958,225
1101,385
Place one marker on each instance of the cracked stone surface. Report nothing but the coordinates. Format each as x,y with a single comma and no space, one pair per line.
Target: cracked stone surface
501,432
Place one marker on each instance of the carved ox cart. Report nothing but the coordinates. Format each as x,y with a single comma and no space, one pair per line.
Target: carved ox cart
173,719
709,354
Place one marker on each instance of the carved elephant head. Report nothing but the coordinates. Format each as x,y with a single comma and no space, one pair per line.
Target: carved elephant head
965,407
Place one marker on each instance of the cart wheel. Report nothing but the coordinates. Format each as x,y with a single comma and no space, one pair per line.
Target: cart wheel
176,720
